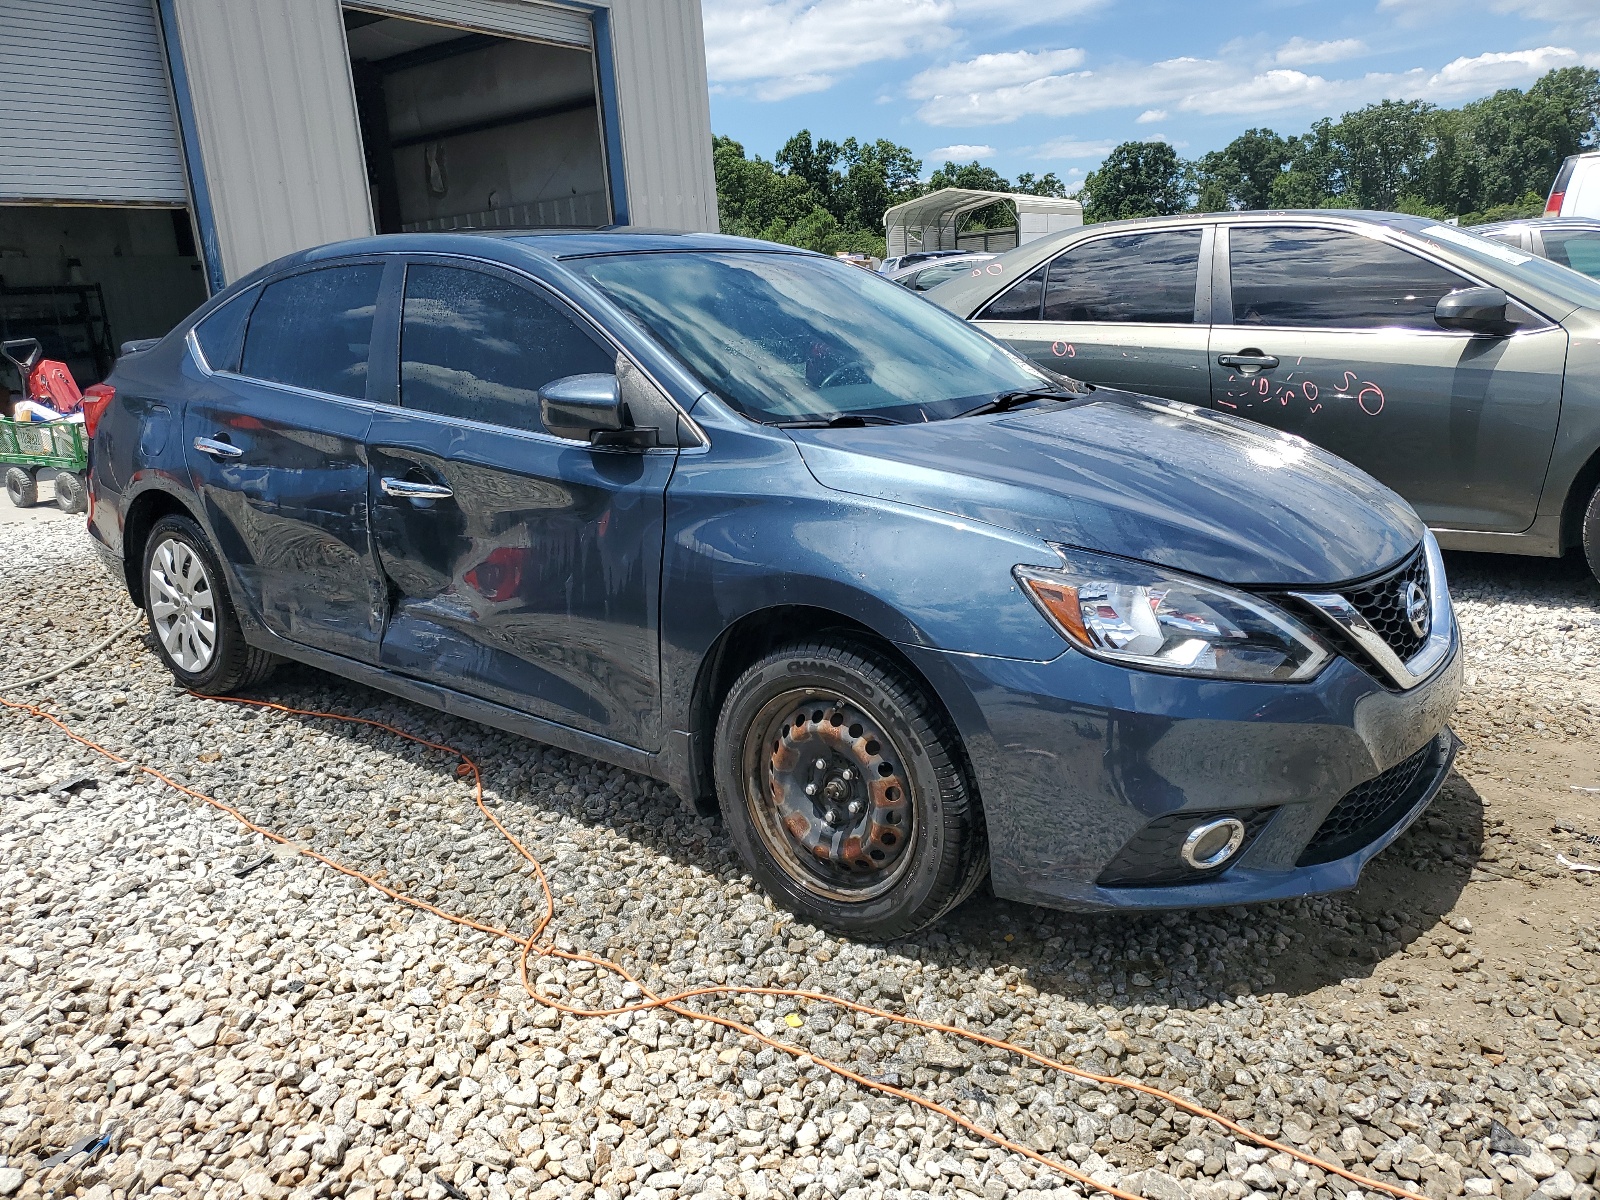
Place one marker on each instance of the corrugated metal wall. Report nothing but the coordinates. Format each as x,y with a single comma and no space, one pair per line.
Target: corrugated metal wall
276,116
660,54
541,22
85,113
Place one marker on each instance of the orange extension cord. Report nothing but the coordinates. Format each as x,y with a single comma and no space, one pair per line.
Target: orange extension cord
532,948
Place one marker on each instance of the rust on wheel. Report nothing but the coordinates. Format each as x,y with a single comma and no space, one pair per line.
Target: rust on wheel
829,795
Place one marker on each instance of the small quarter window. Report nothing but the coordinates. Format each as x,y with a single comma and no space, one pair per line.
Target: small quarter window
314,330
221,334
479,346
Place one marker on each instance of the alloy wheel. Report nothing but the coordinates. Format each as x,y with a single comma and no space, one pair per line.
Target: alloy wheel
183,605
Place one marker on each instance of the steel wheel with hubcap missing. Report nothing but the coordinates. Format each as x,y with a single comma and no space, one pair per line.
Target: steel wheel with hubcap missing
827,797
183,605
845,789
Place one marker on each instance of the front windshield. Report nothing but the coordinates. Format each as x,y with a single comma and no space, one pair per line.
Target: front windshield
1560,281
793,337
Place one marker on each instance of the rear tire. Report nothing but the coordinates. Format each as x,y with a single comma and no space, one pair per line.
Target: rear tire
1591,534
21,487
71,495
846,792
186,601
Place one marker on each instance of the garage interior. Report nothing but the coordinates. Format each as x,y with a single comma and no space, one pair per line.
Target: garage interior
466,130
83,279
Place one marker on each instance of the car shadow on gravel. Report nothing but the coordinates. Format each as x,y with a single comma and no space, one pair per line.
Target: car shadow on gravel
1186,959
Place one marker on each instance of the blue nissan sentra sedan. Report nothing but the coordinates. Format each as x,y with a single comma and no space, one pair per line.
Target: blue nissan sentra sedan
910,609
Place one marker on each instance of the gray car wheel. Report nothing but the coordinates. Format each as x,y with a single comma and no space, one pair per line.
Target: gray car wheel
191,614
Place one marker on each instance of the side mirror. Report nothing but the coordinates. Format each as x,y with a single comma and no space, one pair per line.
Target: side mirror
1475,310
589,408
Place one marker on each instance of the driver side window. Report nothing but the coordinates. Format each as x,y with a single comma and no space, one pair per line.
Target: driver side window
480,346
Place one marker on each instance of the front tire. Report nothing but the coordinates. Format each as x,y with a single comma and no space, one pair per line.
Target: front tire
846,792
1591,534
192,616
21,487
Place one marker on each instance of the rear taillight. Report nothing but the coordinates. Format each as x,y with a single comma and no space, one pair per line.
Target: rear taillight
1552,206
96,398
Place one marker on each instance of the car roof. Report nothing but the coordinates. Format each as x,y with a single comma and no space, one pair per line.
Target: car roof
1539,222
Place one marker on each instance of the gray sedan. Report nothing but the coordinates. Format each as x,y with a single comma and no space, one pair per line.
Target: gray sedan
1571,241
1462,372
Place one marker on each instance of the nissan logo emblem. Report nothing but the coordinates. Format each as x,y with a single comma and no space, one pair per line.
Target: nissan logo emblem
1417,614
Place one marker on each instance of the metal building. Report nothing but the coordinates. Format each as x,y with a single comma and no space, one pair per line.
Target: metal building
153,150
933,222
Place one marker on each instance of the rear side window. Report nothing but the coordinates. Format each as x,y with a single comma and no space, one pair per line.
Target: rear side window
1019,302
221,334
932,277
1575,248
1147,277
479,346
314,330
1328,279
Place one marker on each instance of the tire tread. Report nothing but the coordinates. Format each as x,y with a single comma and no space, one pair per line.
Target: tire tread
960,801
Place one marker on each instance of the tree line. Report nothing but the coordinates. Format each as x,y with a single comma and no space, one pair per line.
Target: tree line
1490,159
831,196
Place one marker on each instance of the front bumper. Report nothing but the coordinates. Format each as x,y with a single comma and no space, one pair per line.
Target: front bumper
1076,758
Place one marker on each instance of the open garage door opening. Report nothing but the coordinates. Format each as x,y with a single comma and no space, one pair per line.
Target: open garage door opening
472,130
83,279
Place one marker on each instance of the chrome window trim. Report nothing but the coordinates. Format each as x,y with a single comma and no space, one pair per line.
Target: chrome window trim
1441,633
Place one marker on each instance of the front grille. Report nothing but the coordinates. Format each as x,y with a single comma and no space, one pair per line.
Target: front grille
1383,603
1151,856
1367,810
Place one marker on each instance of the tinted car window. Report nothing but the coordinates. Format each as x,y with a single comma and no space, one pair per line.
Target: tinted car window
1332,280
221,335
313,330
478,346
1575,248
1139,277
1020,301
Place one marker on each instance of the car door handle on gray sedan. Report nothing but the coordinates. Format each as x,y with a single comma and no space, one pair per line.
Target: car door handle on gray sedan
217,449
412,489
1248,361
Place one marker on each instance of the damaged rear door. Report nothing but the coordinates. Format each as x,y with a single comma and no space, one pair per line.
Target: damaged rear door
522,568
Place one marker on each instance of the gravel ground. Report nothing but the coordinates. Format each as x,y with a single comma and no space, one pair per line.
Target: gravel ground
239,1021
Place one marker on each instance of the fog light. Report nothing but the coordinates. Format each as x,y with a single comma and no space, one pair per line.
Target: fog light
1213,843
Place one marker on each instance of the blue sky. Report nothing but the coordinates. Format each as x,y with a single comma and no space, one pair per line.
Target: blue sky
1051,85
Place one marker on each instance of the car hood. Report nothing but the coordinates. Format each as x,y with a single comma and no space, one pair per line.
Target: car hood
1143,478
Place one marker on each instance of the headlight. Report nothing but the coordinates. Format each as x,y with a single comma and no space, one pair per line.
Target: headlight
1142,615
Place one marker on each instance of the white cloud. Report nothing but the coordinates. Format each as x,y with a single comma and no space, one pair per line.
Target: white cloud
786,48
775,49
1569,18
1150,116
989,71
1299,52
1067,147
966,94
960,152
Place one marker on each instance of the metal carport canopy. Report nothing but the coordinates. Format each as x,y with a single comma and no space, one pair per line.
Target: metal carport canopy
930,222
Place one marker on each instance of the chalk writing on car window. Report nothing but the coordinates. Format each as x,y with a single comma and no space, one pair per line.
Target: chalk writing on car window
1063,350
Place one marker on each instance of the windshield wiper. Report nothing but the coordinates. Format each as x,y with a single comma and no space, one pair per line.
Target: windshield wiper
1006,401
842,421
